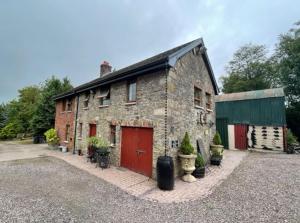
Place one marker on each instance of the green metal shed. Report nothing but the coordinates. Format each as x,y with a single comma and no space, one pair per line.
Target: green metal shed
262,109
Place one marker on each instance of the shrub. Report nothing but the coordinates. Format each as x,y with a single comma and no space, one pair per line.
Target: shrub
186,148
217,139
291,138
98,142
199,161
9,131
51,137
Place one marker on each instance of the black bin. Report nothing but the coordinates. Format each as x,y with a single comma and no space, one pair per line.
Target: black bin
165,173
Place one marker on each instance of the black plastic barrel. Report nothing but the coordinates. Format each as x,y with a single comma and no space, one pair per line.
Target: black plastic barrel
165,173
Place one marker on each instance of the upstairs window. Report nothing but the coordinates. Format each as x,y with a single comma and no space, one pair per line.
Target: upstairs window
208,101
104,97
131,91
86,100
69,105
197,97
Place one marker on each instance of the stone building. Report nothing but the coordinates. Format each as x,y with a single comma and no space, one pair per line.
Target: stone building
146,108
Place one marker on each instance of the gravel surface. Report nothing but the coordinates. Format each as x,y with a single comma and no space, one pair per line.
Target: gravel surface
264,188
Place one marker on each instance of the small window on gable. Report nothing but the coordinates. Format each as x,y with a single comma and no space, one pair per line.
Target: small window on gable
104,97
197,97
131,91
208,100
113,134
69,105
86,100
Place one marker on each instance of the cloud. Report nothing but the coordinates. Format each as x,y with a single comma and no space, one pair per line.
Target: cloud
71,37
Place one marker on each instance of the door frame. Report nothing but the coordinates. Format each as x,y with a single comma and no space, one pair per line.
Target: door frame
151,154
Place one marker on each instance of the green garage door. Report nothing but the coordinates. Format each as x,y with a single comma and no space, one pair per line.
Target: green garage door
222,128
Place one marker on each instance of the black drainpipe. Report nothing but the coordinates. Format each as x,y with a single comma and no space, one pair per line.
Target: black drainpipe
166,112
75,127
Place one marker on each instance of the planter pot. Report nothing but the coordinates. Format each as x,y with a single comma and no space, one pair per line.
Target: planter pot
215,160
199,172
188,165
64,149
217,149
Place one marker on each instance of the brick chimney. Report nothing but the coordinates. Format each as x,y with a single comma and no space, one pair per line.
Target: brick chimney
105,68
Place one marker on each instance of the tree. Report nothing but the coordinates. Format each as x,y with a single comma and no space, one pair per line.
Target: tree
287,57
249,70
44,114
288,63
3,115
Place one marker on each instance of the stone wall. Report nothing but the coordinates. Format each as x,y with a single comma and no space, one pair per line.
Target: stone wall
62,119
148,111
183,115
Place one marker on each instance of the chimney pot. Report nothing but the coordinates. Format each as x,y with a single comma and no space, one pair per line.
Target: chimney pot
105,68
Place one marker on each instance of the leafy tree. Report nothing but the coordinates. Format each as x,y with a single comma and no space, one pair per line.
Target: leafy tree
288,63
44,114
3,115
249,70
287,56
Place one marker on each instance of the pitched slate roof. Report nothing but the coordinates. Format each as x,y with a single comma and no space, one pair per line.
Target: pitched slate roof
160,61
247,95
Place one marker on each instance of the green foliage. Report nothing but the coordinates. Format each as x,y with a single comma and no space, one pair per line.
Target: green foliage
186,148
199,161
52,137
44,114
3,115
249,70
98,142
291,138
287,57
10,131
217,139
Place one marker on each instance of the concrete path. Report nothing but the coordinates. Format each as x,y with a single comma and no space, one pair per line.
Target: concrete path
131,182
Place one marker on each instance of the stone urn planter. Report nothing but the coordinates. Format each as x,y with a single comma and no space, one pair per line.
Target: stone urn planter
188,165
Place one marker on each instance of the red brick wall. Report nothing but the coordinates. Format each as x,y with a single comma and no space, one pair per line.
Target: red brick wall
62,119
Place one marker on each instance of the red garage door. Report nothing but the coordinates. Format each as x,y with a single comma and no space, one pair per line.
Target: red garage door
136,149
240,135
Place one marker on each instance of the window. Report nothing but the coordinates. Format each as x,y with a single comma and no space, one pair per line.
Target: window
64,105
197,96
69,105
208,100
104,97
67,138
131,91
113,134
80,130
86,100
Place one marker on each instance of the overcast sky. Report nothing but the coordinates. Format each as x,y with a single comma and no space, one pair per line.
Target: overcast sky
71,37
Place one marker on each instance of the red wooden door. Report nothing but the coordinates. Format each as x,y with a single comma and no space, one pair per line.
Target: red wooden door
136,149
93,130
240,136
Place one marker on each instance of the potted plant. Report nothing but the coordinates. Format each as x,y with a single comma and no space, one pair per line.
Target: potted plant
216,150
100,148
187,158
52,138
199,172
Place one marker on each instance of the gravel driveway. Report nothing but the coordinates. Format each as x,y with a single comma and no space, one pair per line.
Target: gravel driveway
264,188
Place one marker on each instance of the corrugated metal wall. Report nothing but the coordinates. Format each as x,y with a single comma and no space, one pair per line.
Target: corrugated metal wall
264,111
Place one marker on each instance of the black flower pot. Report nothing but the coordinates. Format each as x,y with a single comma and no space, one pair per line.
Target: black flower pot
199,172
215,160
